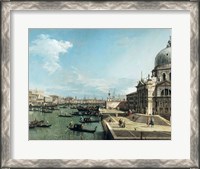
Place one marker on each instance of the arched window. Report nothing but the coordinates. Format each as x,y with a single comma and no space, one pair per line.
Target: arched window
162,92
170,76
166,92
164,77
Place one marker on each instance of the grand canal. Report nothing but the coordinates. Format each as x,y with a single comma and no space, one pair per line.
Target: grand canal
59,130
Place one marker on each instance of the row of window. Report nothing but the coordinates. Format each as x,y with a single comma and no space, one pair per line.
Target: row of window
166,92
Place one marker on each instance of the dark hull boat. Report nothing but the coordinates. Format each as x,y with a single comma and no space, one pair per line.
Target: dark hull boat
64,115
47,111
92,121
88,120
79,127
85,113
78,114
44,125
36,123
31,126
80,108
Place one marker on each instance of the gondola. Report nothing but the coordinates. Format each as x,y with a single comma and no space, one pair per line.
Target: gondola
88,120
64,115
86,113
44,125
78,114
46,111
80,108
80,128
36,123
31,126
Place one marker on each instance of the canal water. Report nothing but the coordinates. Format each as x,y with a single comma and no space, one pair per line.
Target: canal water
59,130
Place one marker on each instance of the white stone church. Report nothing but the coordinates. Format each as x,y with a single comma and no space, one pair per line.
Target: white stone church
153,95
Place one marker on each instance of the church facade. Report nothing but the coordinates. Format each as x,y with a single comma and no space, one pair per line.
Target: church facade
153,95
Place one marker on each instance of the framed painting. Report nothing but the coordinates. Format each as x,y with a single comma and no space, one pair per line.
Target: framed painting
100,84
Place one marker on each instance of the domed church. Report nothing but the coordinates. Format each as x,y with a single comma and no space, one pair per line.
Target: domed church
153,95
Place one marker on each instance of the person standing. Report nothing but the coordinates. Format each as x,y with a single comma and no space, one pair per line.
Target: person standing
152,121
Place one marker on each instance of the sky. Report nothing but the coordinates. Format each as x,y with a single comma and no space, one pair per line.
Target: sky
88,63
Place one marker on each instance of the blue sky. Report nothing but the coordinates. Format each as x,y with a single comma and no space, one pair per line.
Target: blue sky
90,62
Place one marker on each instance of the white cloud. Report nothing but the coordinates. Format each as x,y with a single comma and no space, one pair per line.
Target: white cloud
49,49
100,84
103,85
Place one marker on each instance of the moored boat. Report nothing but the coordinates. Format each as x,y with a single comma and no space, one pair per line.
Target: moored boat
78,113
64,115
47,111
36,123
44,125
31,126
86,113
88,108
89,120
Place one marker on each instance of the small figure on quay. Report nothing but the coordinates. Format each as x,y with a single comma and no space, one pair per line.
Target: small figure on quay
147,121
123,124
120,122
151,122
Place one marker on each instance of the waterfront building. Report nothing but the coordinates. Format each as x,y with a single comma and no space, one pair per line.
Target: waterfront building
61,100
153,95
132,101
55,99
116,102
48,100
32,98
69,100
38,98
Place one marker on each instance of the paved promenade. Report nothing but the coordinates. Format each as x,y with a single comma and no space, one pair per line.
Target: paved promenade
137,130
111,111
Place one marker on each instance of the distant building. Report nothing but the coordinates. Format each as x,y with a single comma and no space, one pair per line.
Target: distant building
38,98
55,99
48,100
153,95
116,103
61,100
32,99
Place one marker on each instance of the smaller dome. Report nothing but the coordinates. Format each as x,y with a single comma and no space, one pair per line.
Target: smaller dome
164,56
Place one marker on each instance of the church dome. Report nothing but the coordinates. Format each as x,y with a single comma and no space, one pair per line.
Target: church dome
164,56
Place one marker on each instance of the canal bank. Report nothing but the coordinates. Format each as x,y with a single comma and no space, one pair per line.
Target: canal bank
136,128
